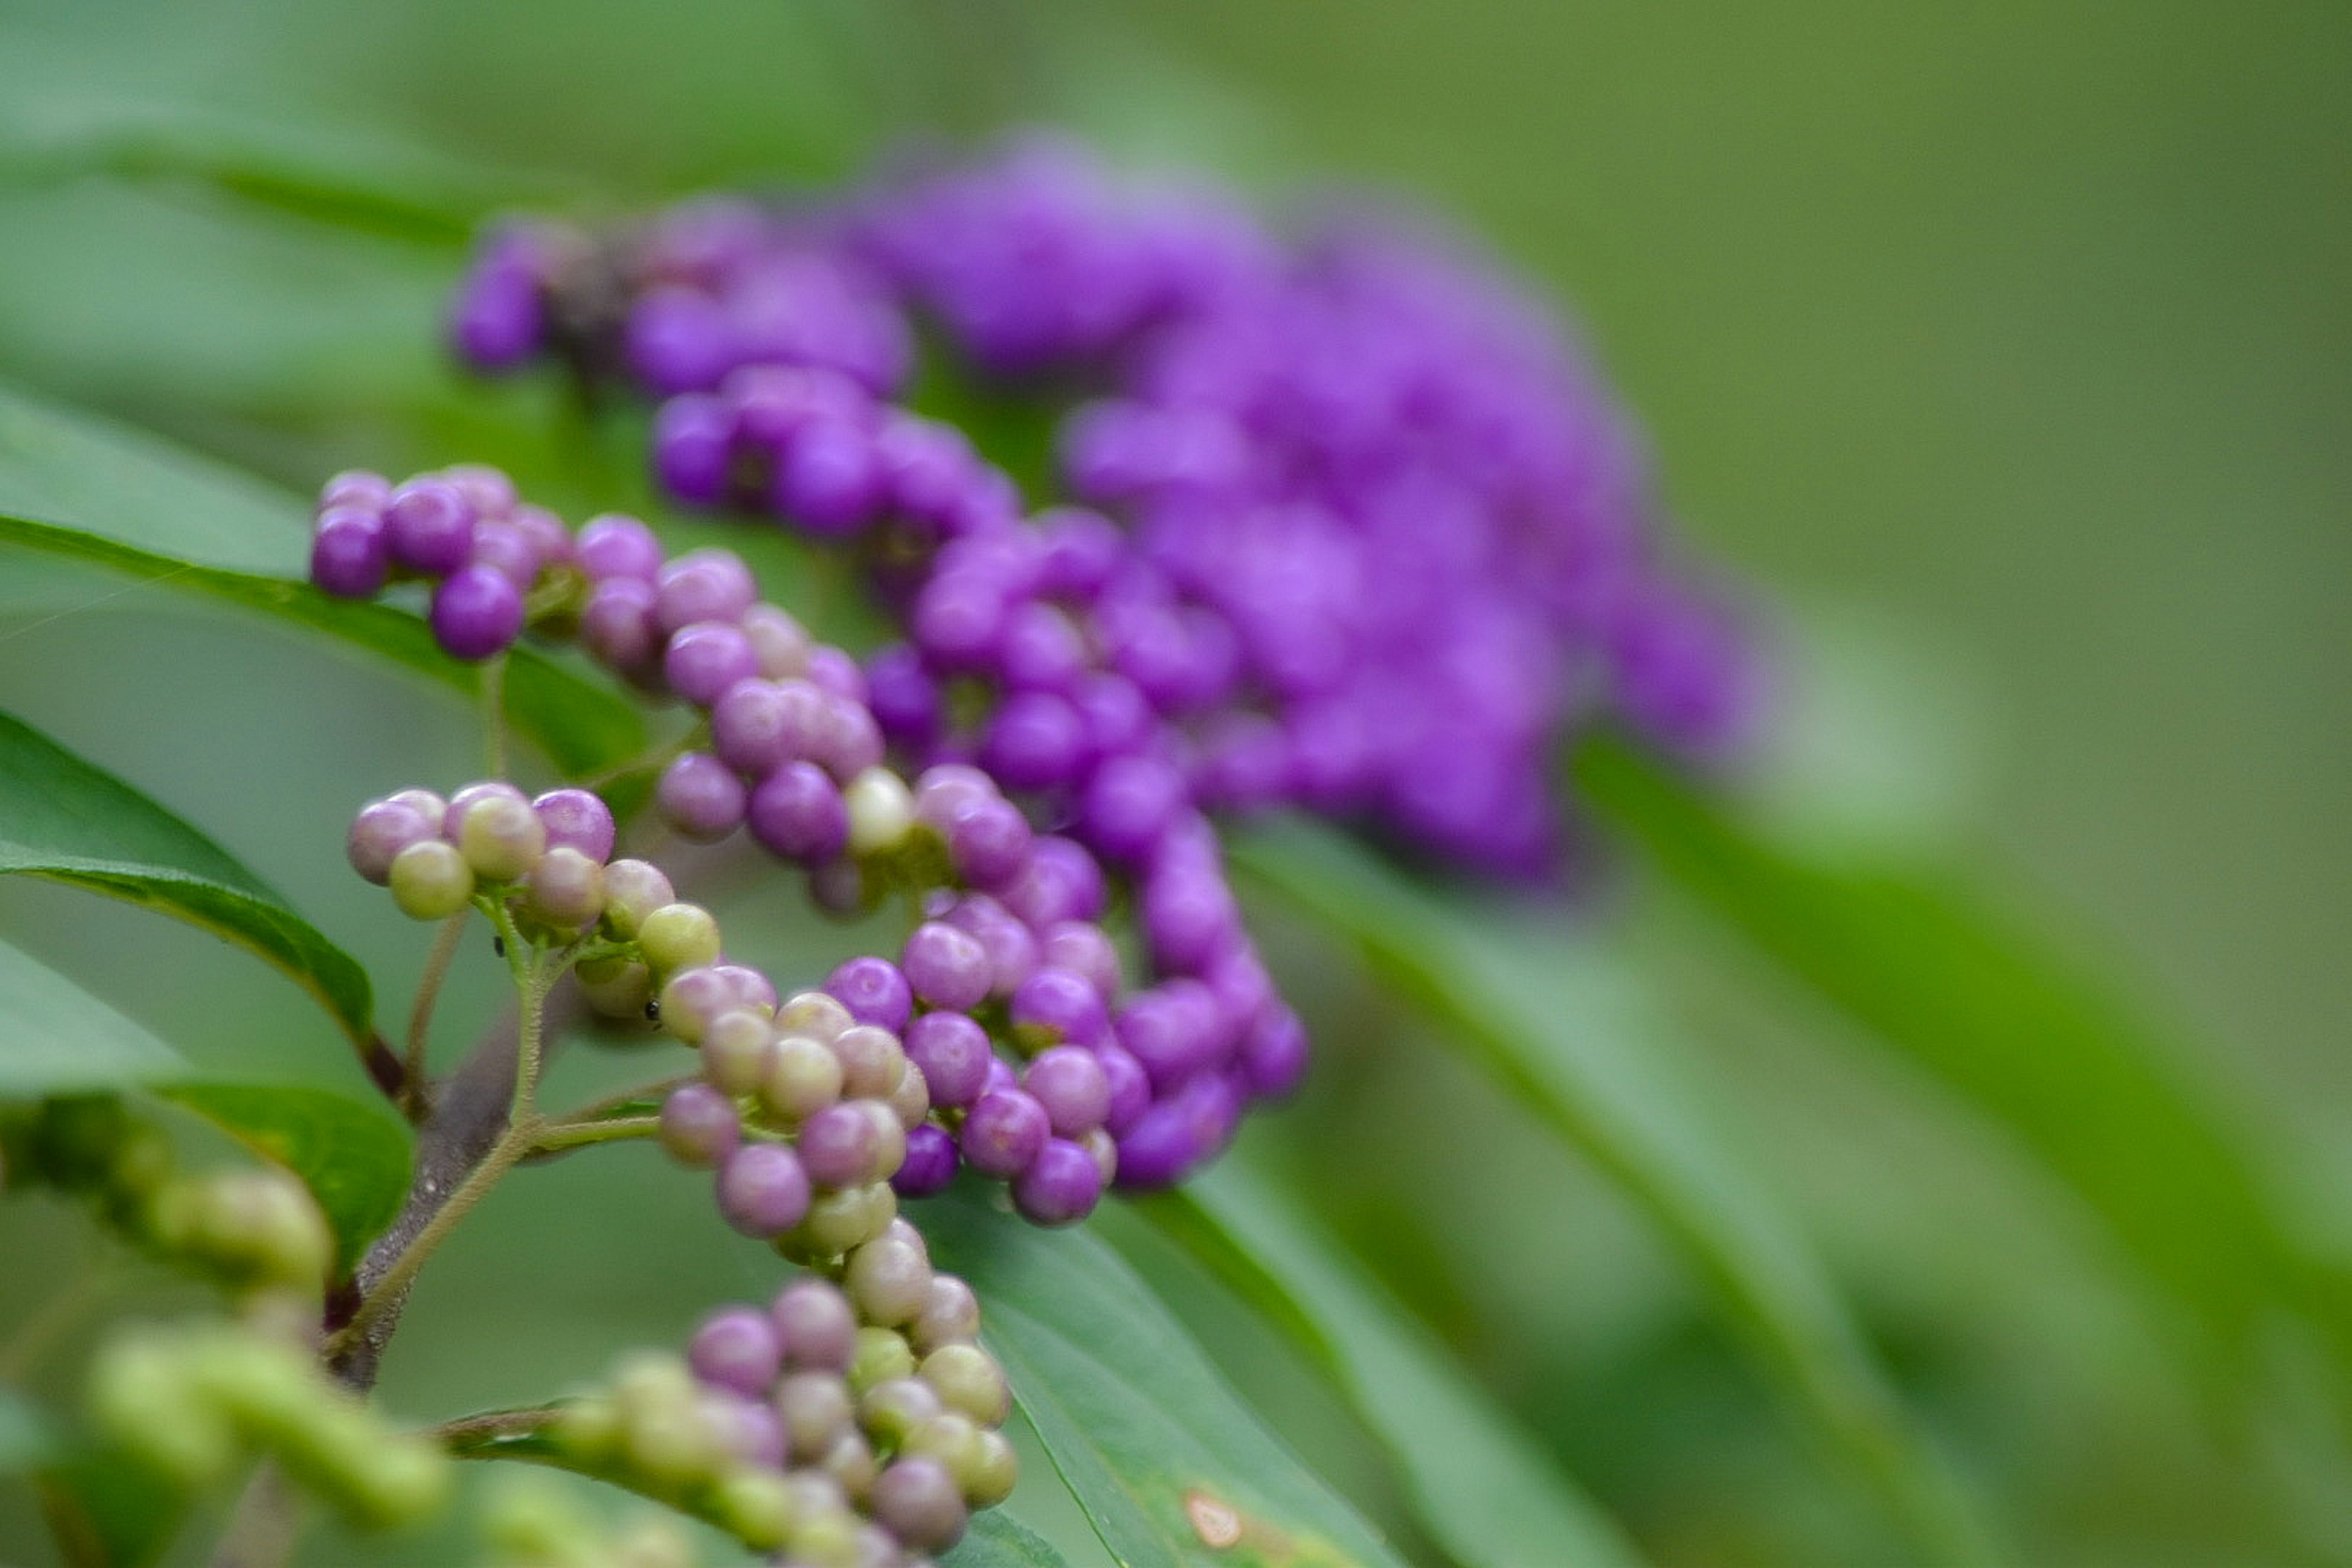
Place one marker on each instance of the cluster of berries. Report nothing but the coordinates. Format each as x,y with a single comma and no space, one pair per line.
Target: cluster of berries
1379,537
196,1400
494,563
1010,946
849,1426
249,1229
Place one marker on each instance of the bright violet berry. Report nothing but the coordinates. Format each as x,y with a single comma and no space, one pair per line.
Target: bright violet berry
1003,1133
477,612
429,527
946,967
1060,1186
349,556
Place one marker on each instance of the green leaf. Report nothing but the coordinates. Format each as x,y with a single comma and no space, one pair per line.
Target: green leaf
75,486
1483,1488
1930,970
107,1510
1573,1042
997,1539
355,1160
65,820
57,1038
27,1436
1168,1463
321,174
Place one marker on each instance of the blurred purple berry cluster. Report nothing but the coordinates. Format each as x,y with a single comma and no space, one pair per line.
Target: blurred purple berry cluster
1343,522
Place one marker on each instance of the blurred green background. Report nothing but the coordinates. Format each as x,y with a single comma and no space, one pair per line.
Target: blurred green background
2009,348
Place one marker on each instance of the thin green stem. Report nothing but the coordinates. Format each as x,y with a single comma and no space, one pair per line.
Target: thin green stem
562,1137
533,974
503,1156
420,1015
494,712
601,1110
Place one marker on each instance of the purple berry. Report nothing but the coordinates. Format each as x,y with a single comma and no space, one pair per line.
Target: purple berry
576,819
989,842
477,612
930,1162
875,992
1273,1054
818,1329
1082,948
828,482
693,435
737,1349
700,797
1060,1186
953,1053
429,527
382,830
1035,740
1128,807
1003,1133
1072,1085
614,545
704,658
349,556
1052,1005
946,967
703,585
616,625
838,1146
758,726
699,1125
763,1191
797,812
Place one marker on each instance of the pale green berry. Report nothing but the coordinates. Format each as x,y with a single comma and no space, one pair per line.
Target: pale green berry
619,989
430,881
500,838
816,1014
738,1051
754,1505
802,1079
881,811
850,1461
951,1315
882,1356
892,1408
950,1437
679,936
993,1467
888,1280
969,1381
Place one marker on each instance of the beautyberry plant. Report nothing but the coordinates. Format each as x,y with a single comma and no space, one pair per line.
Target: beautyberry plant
1334,522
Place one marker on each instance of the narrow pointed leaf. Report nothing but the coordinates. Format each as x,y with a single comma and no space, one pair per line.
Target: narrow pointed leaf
1481,1486
69,822
57,1038
355,1160
321,174
1933,971
1170,1466
1574,1043
80,488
